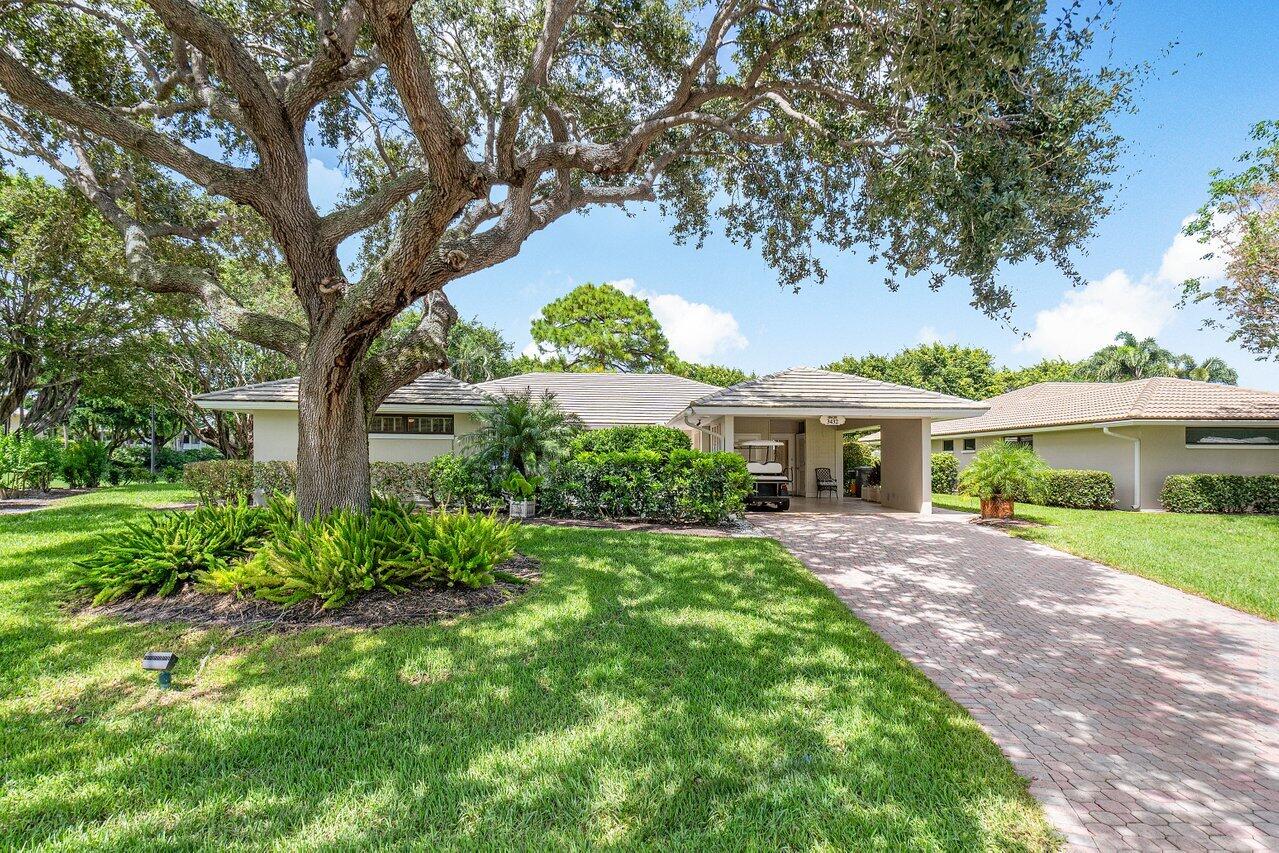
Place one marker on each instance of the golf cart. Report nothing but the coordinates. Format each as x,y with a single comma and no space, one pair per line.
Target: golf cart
772,486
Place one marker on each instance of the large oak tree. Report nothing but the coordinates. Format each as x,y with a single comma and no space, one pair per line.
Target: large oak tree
943,136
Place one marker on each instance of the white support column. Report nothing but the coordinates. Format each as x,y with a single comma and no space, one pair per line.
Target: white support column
727,430
926,454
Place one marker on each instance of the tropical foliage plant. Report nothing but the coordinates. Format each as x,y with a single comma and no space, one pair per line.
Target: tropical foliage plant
1005,471
523,431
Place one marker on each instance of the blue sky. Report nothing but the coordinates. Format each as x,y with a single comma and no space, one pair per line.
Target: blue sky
1219,79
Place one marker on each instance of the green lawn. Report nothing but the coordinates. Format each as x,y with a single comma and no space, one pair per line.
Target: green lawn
654,691
1228,558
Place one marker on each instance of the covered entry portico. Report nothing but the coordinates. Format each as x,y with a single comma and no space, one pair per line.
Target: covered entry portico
810,410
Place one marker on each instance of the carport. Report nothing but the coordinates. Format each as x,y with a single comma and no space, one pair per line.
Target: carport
809,410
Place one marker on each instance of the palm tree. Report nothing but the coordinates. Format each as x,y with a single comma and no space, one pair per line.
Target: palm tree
1209,370
1129,358
522,431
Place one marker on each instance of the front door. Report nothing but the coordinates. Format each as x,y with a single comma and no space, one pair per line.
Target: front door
800,465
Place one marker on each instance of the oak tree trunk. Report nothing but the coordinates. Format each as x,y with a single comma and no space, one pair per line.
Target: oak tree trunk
333,439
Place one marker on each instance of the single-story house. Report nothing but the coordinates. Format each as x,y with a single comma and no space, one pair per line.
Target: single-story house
805,410
1140,431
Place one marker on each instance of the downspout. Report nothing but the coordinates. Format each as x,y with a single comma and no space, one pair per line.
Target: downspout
714,438
1136,464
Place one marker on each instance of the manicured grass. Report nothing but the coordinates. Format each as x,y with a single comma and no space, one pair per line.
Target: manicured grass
654,691
1227,558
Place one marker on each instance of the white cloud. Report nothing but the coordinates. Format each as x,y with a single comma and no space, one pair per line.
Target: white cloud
326,184
1088,318
930,335
697,331
1185,259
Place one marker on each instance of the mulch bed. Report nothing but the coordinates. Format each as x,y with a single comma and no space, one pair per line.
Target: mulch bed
377,609
1003,523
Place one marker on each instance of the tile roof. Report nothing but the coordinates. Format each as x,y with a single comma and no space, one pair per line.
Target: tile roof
1161,398
606,399
808,387
429,389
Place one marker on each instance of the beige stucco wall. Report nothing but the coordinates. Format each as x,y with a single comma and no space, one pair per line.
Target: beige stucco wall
1163,452
275,437
906,465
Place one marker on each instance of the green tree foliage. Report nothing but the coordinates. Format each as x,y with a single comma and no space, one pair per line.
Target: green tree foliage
1242,214
1048,370
962,371
67,318
1005,470
598,327
478,353
1129,358
711,374
942,138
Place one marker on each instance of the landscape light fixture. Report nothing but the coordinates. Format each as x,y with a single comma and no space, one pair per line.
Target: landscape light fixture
162,663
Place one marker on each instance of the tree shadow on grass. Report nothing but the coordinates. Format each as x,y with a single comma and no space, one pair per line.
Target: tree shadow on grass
653,691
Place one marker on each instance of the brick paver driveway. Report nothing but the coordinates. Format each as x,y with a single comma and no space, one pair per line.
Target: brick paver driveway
1144,717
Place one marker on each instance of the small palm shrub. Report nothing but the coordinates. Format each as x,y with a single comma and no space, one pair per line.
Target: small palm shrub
456,547
522,431
160,554
1005,471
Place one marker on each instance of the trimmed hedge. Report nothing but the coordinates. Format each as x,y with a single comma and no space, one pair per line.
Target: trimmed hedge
682,486
220,481
1224,493
1079,489
225,480
945,473
630,439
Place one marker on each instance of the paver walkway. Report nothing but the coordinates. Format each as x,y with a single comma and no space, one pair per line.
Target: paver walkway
1145,718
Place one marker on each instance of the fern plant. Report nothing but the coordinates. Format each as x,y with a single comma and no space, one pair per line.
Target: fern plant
160,554
456,548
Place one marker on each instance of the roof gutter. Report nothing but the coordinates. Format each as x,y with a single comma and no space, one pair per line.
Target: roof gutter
697,426
1136,464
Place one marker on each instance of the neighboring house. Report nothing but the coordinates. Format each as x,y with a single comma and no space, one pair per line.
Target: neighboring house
1140,431
804,409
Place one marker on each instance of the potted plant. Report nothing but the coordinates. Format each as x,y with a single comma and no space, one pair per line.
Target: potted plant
520,490
1002,473
870,492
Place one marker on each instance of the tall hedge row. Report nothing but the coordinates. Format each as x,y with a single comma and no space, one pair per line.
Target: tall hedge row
227,480
1227,493
680,486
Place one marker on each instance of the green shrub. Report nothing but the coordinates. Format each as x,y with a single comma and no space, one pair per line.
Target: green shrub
684,486
220,480
171,474
166,550
461,482
628,439
856,455
1005,470
28,461
1223,493
455,547
945,473
275,477
406,481
1079,489
84,463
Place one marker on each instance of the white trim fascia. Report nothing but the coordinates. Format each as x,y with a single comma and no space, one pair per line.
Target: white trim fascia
845,411
388,409
1022,430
